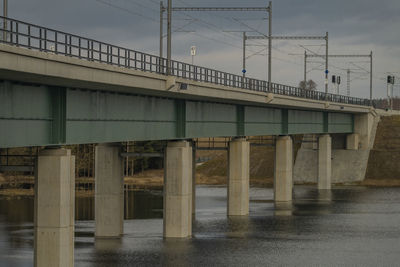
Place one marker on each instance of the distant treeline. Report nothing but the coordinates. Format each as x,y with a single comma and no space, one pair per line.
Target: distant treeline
84,154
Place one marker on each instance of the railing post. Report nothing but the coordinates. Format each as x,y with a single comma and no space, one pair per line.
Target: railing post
55,43
129,59
70,45
29,36
17,34
100,52
45,40
11,31
92,50
79,47
108,54
119,55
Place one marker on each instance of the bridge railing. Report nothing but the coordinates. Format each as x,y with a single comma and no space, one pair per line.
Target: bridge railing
23,34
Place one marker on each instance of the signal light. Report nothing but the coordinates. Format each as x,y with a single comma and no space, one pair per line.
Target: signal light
390,79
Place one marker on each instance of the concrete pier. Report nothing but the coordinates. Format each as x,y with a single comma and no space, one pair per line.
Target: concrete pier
238,177
109,191
194,179
283,178
325,162
352,142
178,190
54,208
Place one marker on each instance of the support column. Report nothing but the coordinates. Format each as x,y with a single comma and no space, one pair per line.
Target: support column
109,191
178,190
54,208
193,178
238,177
324,162
352,142
283,179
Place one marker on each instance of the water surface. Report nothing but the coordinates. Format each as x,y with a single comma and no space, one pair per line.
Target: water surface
352,226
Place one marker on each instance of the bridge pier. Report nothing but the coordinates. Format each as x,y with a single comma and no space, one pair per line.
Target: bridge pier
178,188
324,161
193,178
109,191
352,141
283,178
54,208
238,177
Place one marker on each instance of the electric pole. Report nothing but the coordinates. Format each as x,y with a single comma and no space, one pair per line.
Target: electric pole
186,9
305,68
162,9
269,44
326,64
370,80
352,56
169,38
244,56
258,37
348,82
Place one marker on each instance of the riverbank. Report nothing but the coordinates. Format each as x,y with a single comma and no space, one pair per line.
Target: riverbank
12,186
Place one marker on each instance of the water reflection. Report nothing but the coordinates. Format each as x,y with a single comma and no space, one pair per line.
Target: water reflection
137,205
325,195
283,208
238,226
173,251
346,226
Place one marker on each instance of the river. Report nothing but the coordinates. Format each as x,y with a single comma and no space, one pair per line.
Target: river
351,226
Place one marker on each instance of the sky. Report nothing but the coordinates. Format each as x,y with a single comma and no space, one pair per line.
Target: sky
355,27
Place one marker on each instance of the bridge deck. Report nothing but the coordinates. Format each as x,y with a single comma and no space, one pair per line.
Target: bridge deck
49,99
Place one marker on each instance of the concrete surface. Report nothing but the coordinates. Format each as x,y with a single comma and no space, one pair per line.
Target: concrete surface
54,209
283,178
51,69
238,177
109,191
324,161
352,142
178,190
347,165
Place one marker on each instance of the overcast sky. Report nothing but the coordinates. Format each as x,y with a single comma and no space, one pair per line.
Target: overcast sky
355,27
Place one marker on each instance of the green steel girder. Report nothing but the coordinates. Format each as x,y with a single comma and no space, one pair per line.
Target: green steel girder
240,120
32,115
59,112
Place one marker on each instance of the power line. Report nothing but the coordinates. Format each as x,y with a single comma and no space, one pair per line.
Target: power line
220,9
126,10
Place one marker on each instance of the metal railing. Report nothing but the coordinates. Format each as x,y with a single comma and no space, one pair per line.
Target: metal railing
23,34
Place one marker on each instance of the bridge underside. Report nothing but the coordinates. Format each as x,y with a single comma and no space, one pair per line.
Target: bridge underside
40,115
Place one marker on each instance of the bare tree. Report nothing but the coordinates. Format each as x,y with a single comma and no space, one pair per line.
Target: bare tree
309,85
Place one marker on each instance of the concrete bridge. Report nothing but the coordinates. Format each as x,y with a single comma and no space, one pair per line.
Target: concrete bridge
58,89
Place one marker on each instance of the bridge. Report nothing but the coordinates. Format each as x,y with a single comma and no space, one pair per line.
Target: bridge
58,89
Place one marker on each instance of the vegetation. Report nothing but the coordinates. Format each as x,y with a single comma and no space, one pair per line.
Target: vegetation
308,85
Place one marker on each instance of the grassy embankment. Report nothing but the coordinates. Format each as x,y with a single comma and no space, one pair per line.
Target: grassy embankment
384,159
